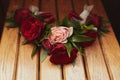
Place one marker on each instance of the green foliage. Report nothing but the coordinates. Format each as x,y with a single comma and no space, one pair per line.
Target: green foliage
47,31
43,55
79,48
68,47
80,38
34,51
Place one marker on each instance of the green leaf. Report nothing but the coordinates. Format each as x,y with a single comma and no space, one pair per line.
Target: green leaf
81,38
105,21
60,23
34,51
73,63
79,48
90,27
9,20
104,29
25,41
47,31
68,46
12,25
58,65
44,55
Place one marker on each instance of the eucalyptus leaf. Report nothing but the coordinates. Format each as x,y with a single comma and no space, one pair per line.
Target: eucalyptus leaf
34,51
68,46
81,38
43,55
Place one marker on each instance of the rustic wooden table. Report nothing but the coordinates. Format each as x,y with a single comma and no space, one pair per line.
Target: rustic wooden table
100,62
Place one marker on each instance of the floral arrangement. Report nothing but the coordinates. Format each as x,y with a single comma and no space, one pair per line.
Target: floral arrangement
63,40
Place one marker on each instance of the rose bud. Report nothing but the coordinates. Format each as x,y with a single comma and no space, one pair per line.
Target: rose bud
50,19
45,15
94,19
73,16
92,34
47,45
32,28
60,55
21,15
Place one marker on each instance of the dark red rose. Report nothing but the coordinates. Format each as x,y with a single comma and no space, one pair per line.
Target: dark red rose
94,19
32,28
21,15
92,34
47,45
60,55
48,17
73,16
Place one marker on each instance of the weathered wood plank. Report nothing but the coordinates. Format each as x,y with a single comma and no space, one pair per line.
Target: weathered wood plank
27,67
94,61
109,44
9,49
71,72
9,41
64,7
48,71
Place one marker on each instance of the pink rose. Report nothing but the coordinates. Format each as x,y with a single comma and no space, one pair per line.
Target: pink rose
32,28
21,15
60,34
59,55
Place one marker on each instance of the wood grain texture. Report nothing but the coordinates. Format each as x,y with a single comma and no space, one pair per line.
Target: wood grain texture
64,7
49,71
95,65
8,53
48,6
76,72
109,45
27,67
9,48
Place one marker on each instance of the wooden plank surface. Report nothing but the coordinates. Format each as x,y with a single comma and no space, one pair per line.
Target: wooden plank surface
109,45
94,61
48,71
9,49
71,72
101,59
27,67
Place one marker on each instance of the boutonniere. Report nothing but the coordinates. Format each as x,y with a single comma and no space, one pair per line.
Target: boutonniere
61,41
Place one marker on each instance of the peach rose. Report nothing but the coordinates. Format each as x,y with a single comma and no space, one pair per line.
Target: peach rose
60,34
